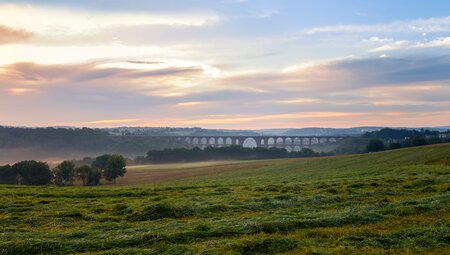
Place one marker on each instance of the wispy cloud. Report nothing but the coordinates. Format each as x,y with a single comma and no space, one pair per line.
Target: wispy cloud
440,42
158,79
190,104
432,25
11,35
139,92
19,91
60,21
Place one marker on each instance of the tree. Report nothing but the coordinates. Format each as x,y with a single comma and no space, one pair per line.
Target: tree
94,177
88,175
83,173
33,172
64,173
434,140
419,141
394,146
8,175
115,167
375,145
100,162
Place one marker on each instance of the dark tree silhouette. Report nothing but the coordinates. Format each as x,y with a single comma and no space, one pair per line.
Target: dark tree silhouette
223,153
83,173
94,177
375,145
64,173
88,175
8,175
419,141
115,167
100,162
33,172
394,146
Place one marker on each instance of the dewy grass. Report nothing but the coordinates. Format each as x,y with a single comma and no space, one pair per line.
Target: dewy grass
391,202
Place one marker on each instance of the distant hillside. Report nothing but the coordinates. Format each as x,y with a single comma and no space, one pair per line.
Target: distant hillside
201,131
174,131
17,143
355,131
399,134
67,143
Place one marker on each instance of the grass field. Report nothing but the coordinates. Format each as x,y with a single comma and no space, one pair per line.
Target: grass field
394,202
157,173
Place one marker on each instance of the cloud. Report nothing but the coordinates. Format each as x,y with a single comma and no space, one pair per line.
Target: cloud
10,35
189,104
59,21
153,78
440,42
179,93
432,25
19,91
376,39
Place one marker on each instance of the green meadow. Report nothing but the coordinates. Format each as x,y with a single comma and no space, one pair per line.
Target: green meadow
393,202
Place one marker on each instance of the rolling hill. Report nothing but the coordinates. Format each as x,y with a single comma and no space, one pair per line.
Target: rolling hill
393,202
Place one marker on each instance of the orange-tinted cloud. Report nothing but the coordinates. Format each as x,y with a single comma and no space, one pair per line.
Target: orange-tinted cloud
340,93
10,35
156,80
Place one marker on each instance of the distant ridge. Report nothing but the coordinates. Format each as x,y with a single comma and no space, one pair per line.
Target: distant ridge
197,131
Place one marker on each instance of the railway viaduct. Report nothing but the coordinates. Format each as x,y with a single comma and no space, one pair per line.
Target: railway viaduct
290,143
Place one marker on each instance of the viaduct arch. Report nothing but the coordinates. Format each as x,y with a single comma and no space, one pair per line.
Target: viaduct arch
292,143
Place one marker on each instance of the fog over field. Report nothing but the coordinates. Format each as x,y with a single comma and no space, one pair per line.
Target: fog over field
224,127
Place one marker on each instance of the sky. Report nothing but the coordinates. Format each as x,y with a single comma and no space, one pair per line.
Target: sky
234,64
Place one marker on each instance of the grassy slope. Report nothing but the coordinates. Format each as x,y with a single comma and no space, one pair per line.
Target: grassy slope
157,173
395,202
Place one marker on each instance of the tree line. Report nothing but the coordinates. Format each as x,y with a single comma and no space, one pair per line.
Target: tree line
400,134
391,139
59,142
31,172
221,153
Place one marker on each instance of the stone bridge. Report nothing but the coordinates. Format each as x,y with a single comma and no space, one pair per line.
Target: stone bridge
290,143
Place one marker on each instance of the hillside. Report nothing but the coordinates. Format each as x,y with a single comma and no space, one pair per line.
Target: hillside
56,144
393,202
